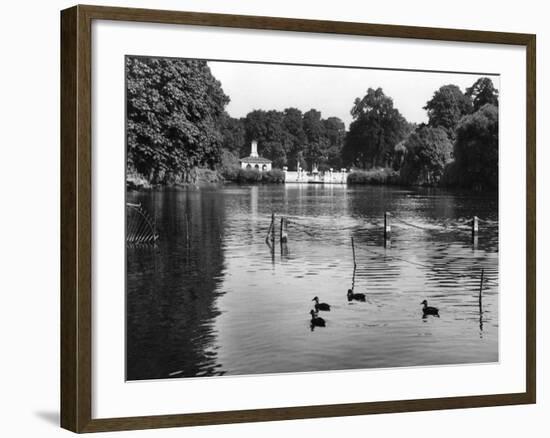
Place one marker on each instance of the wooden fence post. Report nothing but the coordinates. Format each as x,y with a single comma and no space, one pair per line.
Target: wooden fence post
475,228
283,233
387,228
273,227
481,288
269,231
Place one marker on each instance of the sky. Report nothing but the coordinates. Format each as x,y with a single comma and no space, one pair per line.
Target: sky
331,90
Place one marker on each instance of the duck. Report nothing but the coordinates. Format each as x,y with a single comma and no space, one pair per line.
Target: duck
353,296
428,310
316,321
320,306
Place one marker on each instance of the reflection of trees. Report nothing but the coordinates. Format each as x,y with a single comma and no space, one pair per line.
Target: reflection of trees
172,291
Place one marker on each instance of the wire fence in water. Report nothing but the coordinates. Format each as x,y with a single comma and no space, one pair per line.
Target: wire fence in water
466,226
140,226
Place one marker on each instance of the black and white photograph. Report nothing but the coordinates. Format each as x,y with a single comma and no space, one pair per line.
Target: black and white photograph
287,218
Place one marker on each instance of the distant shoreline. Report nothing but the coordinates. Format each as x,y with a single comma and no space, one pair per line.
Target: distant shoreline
204,178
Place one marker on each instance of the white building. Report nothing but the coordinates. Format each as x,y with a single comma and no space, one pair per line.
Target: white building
254,161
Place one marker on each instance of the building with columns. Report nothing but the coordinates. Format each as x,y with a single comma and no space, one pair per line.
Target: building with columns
254,161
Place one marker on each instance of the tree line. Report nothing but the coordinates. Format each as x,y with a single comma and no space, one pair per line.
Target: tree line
288,138
176,121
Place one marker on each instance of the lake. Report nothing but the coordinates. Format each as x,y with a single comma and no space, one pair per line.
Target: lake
212,298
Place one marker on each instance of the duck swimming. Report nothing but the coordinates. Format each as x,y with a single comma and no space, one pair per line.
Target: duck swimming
316,321
428,310
320,306
357,297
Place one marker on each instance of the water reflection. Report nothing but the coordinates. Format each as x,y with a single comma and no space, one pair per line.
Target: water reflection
216,297
171,289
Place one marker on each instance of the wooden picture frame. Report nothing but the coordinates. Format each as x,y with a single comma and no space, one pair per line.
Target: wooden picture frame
76,217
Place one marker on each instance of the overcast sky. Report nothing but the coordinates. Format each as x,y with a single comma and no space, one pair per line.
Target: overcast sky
330,90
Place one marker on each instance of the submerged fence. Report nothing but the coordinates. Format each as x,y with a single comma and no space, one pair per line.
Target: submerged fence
471,226
140,226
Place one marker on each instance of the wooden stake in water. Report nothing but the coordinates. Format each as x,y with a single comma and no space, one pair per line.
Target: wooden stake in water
475,228
283,233
481,287
480,301
387,228
273,228
270,227
353,250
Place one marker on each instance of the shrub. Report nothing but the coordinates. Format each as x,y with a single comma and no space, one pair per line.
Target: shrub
253,176
385,176
230,173
273,176
249,176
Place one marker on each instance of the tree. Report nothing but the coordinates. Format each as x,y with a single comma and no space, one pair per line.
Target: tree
428,150
293,125
335,132
376,129
482,92
476,149
447,106
173,110
316,147
266,127
233,133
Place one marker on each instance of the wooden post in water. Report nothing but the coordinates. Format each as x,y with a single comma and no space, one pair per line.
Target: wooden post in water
270,227
481,301
481,288
475,228
283,233
387,228
353,250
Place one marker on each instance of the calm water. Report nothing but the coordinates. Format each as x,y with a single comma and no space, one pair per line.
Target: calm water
212,298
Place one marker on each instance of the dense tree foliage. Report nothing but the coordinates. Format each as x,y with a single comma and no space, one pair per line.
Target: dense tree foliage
294,126
483,92
447,106
176,122
316,141
266,127
476,149
233,134
376,129
335,133
290,138
428,150
173,112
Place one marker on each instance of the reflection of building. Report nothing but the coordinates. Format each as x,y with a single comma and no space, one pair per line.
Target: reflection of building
254,161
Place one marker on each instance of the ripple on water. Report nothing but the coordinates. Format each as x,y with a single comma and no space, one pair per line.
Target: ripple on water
226,303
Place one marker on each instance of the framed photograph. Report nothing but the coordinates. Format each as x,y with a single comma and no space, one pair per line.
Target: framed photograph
270,218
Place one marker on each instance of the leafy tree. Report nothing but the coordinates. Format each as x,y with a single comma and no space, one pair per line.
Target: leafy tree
266,127
447,106
316,148
482,92
476,148
335,133
293,125
376,129
233,133
173,111
428,150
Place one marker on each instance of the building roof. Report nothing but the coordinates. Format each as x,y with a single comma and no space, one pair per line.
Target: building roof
255,160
